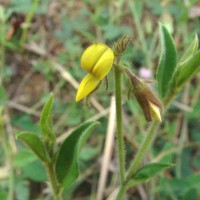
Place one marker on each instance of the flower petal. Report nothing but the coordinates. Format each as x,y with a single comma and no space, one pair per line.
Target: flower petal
87,85
155,112
91,56
104,64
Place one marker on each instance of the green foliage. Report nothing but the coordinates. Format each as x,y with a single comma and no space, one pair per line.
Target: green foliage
195,114
192,194
167,63
24,157
24,6
25,122
2,16
62,31
35,144
46,125
180,187
188,66
150,170
3,195
22,190
3,96
21,5
190,51
188,70
35,171
67,161
88,153
147,172
112,32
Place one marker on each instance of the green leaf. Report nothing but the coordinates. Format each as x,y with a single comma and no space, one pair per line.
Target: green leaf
67,169
23,158
46,124
191,194
167,61
88,153
22,189
25,122
147,172
35,144
187,70
190,51
3,195
35,171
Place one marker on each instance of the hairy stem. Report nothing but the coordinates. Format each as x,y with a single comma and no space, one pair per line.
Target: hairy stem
149,138
120,139
144,147
141,152
2,49
53,182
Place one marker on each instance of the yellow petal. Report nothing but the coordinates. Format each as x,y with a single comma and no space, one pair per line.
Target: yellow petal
104,64
155,112
87,85
97,60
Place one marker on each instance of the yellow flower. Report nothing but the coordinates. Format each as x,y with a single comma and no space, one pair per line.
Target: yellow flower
97,60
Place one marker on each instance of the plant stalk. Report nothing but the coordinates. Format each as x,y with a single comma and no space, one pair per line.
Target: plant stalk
28,22
150,136
120,140
53,182
121,192
2,49
144,147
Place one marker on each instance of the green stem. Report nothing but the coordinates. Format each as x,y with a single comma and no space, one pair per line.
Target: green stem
7,148
2,50
121,192
53,182
120,139
150,136
145,145
183,134
168,99
11,175
28,21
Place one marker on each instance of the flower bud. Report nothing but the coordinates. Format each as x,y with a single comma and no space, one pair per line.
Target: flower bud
148,101
121,45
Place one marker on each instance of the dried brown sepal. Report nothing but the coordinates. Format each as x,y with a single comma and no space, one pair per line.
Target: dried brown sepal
145,106
143,94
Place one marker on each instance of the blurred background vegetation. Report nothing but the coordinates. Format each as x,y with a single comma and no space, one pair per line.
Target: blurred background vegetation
40,47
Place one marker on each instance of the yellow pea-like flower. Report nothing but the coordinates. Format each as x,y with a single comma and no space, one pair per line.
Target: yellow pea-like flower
97,60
